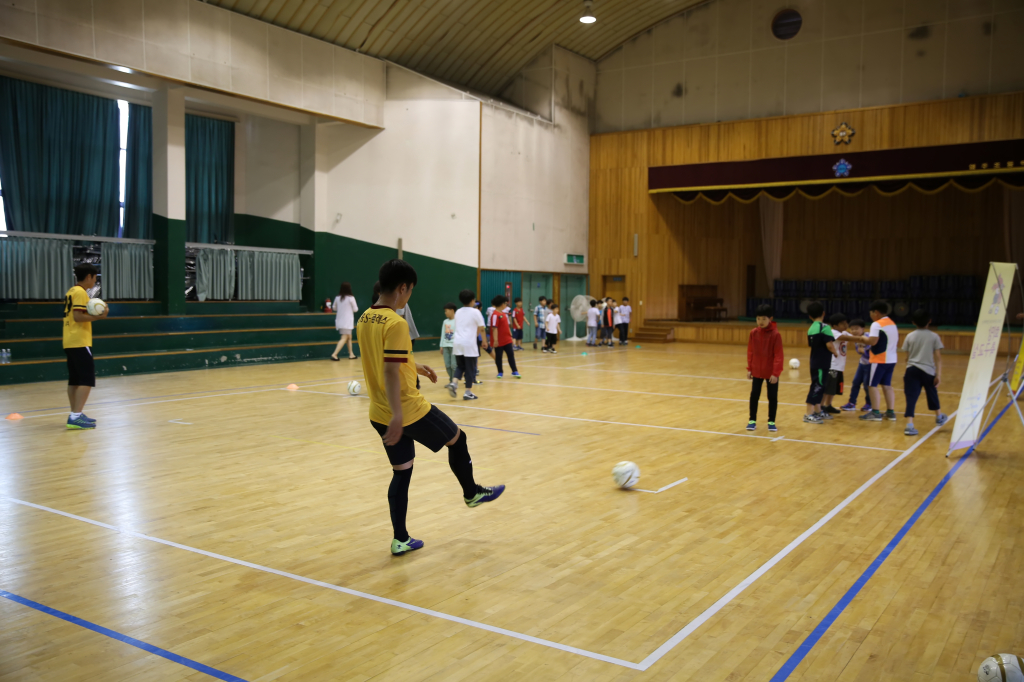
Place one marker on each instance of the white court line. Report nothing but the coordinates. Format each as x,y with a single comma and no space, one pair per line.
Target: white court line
663,488
100,408
338,588
642,426
666,395
698,376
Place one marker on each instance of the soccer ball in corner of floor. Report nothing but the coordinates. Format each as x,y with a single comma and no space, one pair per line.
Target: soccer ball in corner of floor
794,364
354,387
626,474
1001,668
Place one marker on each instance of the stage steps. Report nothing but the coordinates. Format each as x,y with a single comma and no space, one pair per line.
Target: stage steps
653,334
213,334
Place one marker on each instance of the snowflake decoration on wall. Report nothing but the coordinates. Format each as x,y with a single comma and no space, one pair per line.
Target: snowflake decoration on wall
842,168
843,134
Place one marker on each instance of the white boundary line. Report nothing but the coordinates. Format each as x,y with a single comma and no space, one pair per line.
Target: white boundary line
664,395
338,588
650,660
662,489
642,426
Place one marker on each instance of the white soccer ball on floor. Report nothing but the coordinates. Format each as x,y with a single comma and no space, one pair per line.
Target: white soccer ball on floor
95,306
1001,668
354,387
626,474
794,364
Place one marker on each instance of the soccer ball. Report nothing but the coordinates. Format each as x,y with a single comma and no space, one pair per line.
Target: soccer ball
794,364
354,387
95,306
626,474
1001,668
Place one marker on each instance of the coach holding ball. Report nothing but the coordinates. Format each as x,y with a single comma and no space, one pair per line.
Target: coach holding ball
79,313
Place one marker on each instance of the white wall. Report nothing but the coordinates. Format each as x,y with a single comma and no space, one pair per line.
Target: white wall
720,61
191,42
535,178
267,168
418,179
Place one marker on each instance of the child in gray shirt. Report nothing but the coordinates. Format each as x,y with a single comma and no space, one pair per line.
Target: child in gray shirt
924,369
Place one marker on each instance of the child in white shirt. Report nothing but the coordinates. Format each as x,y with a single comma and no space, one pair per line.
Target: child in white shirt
625,311
593,317
469,325
552,328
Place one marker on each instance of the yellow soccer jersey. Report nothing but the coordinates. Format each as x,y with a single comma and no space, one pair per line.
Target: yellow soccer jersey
76,334
384,337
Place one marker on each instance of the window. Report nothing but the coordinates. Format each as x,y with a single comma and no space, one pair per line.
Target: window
122,107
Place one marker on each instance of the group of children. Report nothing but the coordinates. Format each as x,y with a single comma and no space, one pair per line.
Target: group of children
607,316
876,350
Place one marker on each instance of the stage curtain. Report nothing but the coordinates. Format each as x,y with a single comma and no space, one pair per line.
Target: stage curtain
771,238
138,176
1013,231
59,160
264,276
209,179
36,269
215,274
127,271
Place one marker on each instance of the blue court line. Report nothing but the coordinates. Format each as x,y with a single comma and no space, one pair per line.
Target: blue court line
474,426
805,648
164,653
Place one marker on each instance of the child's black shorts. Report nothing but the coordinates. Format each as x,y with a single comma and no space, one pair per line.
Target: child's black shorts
81,368
434,430
834,382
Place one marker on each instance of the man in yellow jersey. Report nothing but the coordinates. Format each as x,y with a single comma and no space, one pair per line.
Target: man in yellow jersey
399,413
78,345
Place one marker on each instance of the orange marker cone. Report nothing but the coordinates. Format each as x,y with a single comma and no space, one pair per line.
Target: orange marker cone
293,387
14,416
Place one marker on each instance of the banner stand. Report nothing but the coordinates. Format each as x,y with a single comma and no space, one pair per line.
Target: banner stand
976,397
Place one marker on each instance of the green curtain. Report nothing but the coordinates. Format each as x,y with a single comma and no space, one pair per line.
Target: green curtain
209,179
127,271
138,176
59,160
215,274
40,269
266,276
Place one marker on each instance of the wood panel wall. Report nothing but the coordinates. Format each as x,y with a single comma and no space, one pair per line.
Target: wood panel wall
707,244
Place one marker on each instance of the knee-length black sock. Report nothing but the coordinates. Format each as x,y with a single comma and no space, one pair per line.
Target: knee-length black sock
462,466
398,500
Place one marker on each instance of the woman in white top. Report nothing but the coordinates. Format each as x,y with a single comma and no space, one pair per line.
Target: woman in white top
345,308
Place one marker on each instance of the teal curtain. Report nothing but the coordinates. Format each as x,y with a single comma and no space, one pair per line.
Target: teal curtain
266,276
215,274
138,175
35,269
209,179
127,271
59,160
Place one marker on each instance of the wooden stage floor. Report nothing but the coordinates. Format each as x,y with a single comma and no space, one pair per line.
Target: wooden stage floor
244,527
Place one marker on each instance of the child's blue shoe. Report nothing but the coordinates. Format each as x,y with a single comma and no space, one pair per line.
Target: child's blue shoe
516,375
399,548
772,427
848,407
866,408
500,376
751,425
81,423
910,430
941,419
87,418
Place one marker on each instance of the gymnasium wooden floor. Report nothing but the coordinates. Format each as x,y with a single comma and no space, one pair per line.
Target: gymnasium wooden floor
246,529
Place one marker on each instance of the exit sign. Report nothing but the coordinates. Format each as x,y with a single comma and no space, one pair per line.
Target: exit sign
574,259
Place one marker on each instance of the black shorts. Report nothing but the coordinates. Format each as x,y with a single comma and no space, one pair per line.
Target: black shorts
81,368
834,382
435,429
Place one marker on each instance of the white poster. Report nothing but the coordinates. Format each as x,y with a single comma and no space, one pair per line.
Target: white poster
983,356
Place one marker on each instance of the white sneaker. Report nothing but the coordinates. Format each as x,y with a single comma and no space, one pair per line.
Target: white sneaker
452,387
469,396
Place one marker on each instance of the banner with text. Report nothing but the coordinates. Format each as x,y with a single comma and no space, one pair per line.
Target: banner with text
983,356
1018,370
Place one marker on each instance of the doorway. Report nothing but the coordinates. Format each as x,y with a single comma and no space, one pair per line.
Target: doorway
614,286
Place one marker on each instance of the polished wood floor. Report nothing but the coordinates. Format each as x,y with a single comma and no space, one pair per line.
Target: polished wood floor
564,578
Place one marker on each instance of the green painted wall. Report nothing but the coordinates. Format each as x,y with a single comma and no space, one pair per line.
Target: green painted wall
169,264
340,259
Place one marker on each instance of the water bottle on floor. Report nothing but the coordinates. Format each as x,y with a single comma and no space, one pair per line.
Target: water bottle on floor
5,356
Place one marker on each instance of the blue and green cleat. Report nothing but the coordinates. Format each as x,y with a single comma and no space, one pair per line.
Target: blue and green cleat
82,422
485,495
399,548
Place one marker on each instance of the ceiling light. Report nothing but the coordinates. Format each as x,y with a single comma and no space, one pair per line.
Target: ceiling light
588,13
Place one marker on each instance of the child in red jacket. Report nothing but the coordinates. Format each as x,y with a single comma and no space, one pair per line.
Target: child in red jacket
764,361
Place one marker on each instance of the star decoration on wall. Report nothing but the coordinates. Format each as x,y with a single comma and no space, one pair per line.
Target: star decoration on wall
843,134
842,168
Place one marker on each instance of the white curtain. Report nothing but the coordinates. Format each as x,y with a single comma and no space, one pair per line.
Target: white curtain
771,238
215,274
127,270
264,276
40,269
